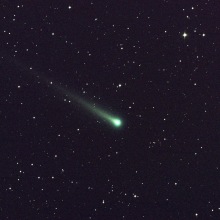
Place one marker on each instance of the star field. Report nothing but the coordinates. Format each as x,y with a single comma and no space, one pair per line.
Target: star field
154,66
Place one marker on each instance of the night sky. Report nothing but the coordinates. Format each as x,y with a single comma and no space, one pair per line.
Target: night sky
152,65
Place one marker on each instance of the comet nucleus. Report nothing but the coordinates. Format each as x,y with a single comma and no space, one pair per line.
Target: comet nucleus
117,122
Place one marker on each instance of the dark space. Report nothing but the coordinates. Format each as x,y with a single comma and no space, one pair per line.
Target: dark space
151,65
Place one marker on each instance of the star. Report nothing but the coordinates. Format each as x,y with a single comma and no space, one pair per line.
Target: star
185,35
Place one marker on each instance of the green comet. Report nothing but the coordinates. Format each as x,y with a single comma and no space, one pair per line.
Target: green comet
64,92
111,119
116,122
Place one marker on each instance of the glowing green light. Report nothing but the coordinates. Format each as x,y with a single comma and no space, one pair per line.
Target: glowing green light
106,116
116,122
65,93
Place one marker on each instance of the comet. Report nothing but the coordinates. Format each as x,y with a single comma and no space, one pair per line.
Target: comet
91,107
72,96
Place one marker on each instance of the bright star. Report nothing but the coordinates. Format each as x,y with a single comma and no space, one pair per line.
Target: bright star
185,34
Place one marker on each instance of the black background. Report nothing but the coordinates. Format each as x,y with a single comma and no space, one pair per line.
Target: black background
59,161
